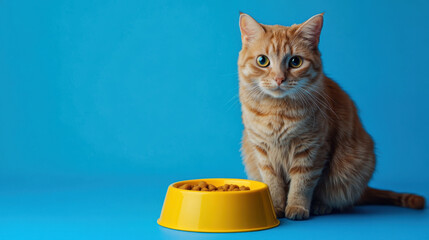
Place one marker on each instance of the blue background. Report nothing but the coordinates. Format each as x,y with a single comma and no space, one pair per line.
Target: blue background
104,103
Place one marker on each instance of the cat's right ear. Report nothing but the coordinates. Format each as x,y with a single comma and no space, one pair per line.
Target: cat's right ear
250,29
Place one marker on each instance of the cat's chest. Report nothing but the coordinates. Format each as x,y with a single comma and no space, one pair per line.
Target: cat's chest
271,120
270,129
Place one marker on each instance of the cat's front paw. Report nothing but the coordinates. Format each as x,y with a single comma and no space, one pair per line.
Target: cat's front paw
280,213
320,209
297,213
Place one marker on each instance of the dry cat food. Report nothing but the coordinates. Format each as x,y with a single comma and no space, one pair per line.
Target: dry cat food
203,186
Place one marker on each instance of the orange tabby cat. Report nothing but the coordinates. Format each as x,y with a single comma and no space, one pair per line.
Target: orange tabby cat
302,135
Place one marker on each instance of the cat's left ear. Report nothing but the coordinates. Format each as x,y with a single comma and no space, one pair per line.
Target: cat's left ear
250,29
310,29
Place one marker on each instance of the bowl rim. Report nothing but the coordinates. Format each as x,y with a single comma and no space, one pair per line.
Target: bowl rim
262,188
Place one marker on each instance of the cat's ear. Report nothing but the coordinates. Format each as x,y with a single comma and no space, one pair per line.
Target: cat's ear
310,29
250,29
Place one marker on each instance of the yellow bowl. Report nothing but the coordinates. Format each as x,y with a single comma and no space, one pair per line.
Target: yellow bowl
236,211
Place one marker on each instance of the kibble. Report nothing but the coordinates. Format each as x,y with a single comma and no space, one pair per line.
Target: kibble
203,186
186,186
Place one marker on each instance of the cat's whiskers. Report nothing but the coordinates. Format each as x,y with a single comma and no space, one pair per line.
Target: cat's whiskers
255,92
316,103
234,101
301,99
325,102
319,104
310,89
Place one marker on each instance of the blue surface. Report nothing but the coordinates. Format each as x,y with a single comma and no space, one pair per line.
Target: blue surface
104,103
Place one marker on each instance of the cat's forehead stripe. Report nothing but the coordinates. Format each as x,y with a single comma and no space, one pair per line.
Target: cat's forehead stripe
278,42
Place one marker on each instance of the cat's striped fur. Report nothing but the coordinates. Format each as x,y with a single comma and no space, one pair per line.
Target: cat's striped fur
302,135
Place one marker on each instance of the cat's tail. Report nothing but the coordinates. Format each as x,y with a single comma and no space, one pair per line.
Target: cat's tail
373,196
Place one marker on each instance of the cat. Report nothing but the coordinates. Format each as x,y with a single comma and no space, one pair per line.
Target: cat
302,134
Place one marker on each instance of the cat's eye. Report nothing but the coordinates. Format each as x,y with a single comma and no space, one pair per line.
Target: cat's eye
263,61
295,62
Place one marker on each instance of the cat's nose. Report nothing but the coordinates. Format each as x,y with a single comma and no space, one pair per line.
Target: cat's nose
279,80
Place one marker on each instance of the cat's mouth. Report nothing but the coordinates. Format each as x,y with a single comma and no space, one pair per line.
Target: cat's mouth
277,92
